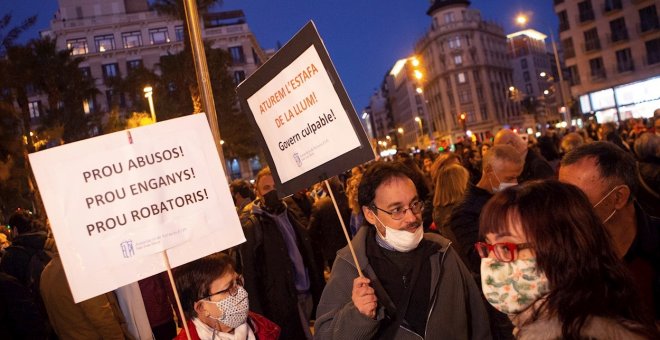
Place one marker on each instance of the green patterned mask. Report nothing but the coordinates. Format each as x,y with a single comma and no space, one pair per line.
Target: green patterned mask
511,287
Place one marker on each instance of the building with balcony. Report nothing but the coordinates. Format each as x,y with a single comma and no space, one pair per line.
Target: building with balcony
612,52
535,75
117,36
409,111
467,71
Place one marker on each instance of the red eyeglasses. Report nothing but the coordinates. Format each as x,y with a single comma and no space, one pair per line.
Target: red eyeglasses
505,252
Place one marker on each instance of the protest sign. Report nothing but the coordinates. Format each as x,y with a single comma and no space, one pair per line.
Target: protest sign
117,201
308,126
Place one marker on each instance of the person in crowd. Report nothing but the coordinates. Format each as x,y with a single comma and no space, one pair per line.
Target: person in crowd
450,187
19,313
501,168
97,318
548,263
352,194
548,149
216,305
609,132
647,150
414,284
442,160
159,302
241,192
485,146
535,167
607,175
423,188
278,263
571,141
30,239
300,205
325,229
471,162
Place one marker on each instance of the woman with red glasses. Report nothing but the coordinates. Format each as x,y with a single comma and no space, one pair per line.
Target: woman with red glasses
216,304
549,263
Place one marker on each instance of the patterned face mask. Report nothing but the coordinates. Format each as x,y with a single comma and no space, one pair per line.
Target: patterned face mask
512,287
233,309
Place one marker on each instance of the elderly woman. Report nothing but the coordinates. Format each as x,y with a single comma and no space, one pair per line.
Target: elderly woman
216,304
549,263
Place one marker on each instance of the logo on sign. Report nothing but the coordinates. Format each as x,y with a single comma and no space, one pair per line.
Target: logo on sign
127,249
296,157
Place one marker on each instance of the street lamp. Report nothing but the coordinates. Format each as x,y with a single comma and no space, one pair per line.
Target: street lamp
521,20
149,93
399,130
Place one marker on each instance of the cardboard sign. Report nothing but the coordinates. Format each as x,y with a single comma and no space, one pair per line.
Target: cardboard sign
307,123
117,201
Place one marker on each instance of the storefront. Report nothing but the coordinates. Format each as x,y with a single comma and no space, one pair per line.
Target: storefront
633,100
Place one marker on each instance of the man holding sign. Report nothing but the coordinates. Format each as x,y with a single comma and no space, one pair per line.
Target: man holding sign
414,286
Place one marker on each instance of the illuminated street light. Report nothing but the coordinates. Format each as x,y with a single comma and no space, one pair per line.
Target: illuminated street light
388,137
400,130
222,142
419,90
521,19
414,61
418,74
543,74
511,88
546,92
149,93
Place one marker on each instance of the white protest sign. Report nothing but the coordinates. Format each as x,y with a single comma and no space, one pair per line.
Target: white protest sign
301,118
117,201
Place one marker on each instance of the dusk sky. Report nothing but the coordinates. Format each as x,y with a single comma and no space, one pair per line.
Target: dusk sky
364,38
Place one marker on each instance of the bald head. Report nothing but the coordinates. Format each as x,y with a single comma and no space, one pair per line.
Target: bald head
506,136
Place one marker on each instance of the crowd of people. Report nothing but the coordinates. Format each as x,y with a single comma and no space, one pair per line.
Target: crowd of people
548,238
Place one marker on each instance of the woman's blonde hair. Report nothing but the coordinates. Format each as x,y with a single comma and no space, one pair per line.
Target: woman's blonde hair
450,185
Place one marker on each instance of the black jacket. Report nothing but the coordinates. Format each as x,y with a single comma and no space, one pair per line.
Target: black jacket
464,223
16,259
325,229
269,273
536,167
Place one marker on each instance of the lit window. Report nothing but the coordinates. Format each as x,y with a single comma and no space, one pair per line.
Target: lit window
77,46
461,78
458,60
34,108
104,43
455,42
159,35
132,39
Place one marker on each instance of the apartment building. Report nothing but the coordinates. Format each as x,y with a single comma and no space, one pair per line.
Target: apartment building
467,73
117,36
612,52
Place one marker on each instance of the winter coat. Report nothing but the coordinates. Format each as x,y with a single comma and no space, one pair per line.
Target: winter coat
269,272
456,308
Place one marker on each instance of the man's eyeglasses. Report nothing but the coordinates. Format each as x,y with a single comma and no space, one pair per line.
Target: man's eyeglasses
505,252
399,213
232,290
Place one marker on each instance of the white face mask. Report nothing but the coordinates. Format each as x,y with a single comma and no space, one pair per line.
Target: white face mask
511,287
401,240
603,199
233,309
503,185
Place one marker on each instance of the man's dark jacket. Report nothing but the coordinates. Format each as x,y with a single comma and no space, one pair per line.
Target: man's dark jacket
536,167
269,273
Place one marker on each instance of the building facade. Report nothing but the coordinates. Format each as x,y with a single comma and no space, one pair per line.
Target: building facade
612,52
467,74
116,36
535,76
